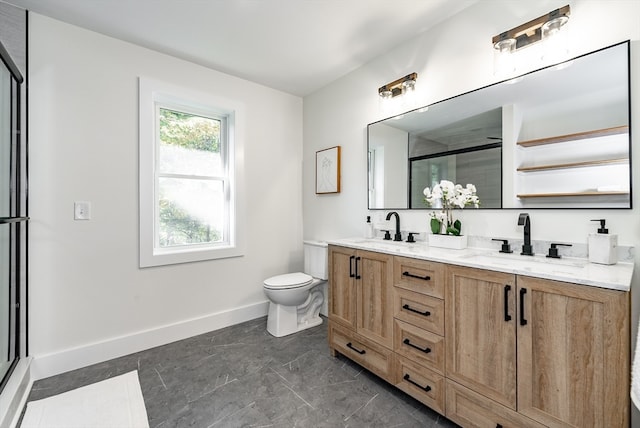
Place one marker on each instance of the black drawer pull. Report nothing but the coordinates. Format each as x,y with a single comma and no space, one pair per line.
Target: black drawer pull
357,274
408,379
523,321
409,308
408,342
410,275
507,317
359,351
498,425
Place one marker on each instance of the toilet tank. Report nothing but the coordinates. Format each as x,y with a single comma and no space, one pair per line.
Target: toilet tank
315,259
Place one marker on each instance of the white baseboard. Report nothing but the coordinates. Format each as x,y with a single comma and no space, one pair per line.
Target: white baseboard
47,365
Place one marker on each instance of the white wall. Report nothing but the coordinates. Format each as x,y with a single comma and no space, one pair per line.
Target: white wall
88,299
452,58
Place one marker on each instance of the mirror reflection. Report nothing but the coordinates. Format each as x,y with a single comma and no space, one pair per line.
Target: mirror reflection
554,138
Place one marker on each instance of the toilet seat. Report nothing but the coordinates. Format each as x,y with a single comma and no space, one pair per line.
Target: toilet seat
288,281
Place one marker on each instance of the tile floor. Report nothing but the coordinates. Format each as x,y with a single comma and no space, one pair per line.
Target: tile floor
241,376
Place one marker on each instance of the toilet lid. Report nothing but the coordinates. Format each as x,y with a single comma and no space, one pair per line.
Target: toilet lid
289,280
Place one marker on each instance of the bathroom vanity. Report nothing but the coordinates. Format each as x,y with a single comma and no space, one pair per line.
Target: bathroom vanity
486,339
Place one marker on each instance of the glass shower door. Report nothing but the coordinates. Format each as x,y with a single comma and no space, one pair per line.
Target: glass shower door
13,220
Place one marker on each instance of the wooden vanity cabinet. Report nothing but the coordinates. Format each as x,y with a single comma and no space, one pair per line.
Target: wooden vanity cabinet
360,307
481,332
573,354
484,348
419,342
543,351
342,287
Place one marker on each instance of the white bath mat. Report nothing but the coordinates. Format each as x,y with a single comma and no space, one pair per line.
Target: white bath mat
112,403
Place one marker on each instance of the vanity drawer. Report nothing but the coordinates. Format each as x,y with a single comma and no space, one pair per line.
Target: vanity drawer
419,276
375,358
421,383
470,409
419,345
419,309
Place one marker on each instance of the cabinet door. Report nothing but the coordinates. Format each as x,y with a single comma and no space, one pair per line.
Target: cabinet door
374,284
573,354
342,291
481,332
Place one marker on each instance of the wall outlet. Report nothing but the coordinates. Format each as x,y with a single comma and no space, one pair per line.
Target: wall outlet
82,210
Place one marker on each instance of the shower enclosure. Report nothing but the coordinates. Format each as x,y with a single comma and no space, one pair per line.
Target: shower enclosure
13,214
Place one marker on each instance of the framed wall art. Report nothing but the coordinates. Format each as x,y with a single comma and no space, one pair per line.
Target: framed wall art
328,170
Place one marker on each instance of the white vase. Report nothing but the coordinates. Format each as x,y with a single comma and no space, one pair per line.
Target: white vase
453,242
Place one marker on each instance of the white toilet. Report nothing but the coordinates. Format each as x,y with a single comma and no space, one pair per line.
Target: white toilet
296,298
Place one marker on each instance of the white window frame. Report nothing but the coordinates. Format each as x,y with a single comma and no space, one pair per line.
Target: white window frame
154,95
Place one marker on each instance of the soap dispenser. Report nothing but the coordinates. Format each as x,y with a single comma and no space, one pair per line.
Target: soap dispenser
603,247
368,228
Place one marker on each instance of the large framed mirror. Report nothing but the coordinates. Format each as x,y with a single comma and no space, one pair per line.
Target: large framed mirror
558,137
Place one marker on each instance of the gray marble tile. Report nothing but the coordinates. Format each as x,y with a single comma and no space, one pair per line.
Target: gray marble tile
241,376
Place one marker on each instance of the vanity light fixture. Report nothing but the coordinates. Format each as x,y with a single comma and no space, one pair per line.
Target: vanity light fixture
398,87
544,28
532,31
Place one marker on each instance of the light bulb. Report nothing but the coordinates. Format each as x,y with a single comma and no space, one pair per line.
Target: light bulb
503,59
555,40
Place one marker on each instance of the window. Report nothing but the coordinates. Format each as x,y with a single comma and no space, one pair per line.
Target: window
188,176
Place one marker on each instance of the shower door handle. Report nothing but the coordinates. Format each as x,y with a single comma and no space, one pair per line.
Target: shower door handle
8,220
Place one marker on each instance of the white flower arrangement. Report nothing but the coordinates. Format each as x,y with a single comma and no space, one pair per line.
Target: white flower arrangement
447,196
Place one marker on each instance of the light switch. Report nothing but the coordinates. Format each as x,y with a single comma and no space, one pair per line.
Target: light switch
82,210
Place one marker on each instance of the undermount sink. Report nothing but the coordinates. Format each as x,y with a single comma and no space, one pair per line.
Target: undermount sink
506,259
380,241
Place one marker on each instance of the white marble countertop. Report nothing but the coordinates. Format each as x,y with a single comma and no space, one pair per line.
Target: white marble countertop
567,269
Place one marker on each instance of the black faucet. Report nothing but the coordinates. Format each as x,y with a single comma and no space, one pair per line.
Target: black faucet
398,235
523,220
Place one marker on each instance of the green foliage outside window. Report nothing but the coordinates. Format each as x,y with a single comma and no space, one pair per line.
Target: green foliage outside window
177,226
189,131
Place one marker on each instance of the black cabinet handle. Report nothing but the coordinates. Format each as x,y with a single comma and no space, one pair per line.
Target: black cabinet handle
351,275
410,275
498,425
523,321
408,342
507,317
359,351
409,308
408,379
357,274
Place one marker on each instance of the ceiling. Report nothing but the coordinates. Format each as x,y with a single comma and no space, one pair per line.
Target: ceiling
297,46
